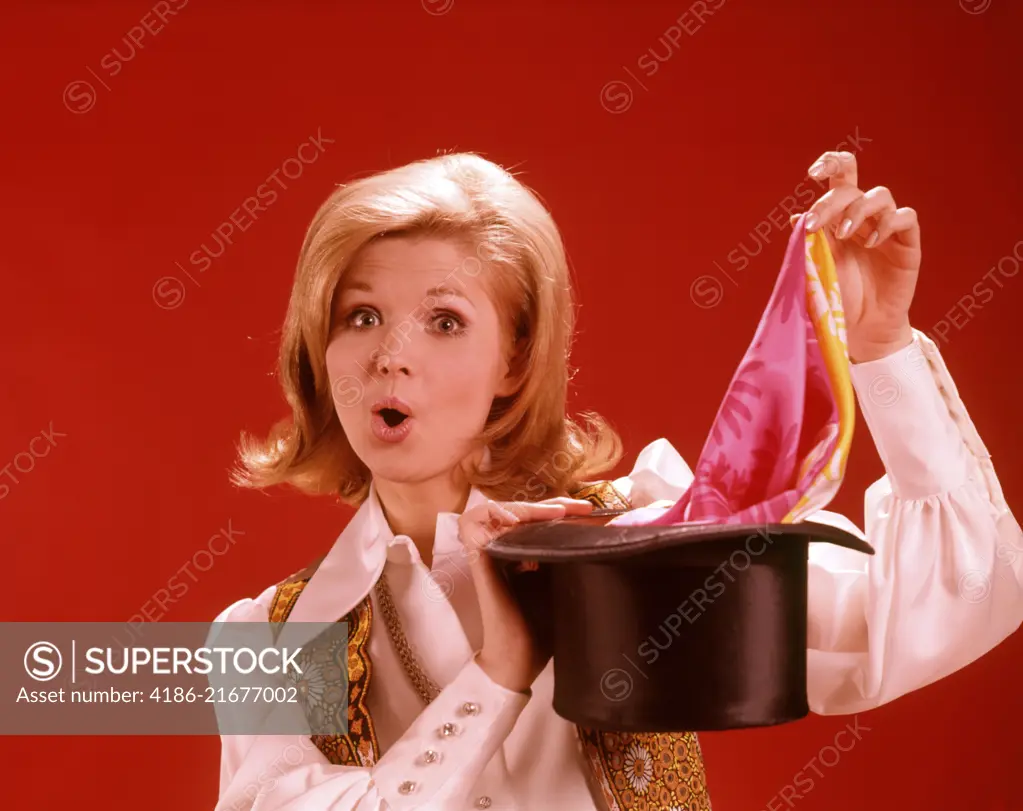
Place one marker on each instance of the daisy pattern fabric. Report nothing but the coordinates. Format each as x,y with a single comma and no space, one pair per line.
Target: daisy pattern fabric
779,443
649,771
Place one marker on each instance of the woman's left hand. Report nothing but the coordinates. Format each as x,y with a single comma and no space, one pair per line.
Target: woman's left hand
876,247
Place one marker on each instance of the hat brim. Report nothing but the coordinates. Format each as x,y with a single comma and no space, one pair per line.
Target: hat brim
588,538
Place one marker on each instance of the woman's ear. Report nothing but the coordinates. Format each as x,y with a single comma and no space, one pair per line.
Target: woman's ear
514,368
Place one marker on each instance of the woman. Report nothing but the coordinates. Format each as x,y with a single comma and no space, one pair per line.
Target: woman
424,358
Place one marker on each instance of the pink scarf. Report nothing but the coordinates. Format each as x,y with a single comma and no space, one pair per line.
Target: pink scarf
778,446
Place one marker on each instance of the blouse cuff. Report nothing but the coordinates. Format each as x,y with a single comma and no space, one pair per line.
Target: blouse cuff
918,422
446,749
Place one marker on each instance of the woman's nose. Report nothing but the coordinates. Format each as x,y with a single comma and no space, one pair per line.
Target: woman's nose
385,364
394,353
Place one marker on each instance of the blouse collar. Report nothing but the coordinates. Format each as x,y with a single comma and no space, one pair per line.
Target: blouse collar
354,564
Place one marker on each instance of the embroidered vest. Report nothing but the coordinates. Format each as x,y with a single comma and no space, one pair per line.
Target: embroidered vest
653,771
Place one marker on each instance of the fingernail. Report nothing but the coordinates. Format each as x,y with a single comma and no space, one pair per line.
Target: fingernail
811,222
844,229
817,170
872,239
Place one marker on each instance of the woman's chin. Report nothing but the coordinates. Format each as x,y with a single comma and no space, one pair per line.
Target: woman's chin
404,463
408,470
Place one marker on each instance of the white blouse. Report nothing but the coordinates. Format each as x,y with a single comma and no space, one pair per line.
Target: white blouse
944,587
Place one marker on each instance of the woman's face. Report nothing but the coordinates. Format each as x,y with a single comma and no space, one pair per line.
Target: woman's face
412,321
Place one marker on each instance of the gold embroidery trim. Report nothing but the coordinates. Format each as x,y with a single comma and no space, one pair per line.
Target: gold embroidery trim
360,746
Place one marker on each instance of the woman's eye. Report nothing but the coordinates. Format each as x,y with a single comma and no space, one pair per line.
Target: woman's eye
360,319
448,323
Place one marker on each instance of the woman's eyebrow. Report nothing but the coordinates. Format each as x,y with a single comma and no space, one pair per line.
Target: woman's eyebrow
445,290
437,291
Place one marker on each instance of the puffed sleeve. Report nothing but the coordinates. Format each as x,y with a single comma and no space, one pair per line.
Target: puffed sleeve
946,583
274,772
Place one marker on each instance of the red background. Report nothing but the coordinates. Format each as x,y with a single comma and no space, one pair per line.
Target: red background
101,203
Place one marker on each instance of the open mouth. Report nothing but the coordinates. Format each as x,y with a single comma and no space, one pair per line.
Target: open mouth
392,416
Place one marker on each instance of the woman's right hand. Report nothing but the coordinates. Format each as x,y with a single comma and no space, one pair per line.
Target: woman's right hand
509,655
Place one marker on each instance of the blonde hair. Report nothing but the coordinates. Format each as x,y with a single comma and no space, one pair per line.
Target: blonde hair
536,451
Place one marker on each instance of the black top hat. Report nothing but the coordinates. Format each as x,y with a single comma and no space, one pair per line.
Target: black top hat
669,628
